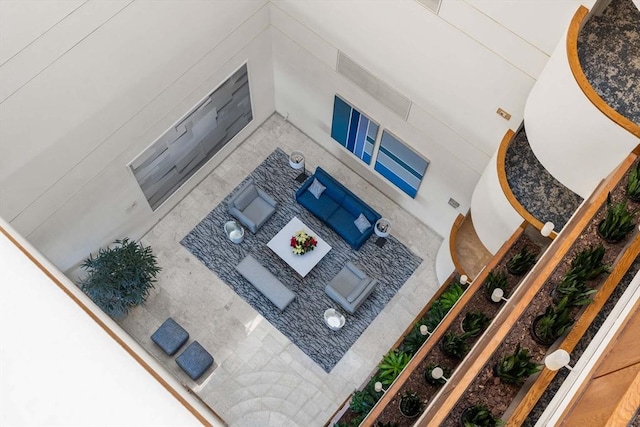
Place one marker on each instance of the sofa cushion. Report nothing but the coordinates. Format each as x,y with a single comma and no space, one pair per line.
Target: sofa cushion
245,197
316,188
342,221
353,205
357,291
362,223
323,207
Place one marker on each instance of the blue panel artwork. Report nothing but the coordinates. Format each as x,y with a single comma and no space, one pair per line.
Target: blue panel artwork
353,130
400,164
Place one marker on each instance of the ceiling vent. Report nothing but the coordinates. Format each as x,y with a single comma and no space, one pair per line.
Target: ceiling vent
388,96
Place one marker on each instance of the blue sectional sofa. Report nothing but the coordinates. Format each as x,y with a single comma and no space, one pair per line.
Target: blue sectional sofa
338,208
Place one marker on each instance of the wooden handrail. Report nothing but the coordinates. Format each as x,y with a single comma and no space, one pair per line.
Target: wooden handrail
453,238
576,68
504,184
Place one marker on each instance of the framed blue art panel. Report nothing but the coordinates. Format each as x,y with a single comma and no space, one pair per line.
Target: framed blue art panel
400,164
353,130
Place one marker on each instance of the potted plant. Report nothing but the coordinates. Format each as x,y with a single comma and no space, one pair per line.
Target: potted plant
633,183
454,345
618,221
120,277
575,289
410,404
521,262
474,323
478,415
515,368
554,322
392,364
588,263
364,400
429,378
496,279
413,340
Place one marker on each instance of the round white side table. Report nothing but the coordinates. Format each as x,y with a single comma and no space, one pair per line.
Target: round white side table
382,227
334,320
234,232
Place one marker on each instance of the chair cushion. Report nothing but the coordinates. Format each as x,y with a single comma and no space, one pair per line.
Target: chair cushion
170,336
362,223
316,188
258,210
194,360
245,197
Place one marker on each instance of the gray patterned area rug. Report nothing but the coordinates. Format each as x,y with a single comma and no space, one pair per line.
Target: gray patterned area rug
302,321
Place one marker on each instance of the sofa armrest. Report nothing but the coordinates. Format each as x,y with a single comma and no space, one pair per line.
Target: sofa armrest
267,198
356,271
243,219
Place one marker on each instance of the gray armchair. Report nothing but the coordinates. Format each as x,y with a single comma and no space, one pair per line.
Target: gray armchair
251,206
350,287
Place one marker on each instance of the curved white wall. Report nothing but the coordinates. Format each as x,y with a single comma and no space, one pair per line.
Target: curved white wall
494,218
444,262
573,140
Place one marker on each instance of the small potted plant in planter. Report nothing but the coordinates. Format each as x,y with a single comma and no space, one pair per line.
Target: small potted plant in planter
410,404
474,323
454,345
515,368
521,262
588,263
496,279
575,289
429,378
554,322
478,415
617,223
392,364
633,183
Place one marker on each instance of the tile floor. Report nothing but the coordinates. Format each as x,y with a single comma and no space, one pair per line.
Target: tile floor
259,377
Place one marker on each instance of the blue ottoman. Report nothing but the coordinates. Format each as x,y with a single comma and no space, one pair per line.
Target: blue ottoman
194,360
170,336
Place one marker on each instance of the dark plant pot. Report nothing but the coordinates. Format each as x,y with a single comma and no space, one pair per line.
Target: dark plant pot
513,273
452,356
405,415
611,241
536,337
635,199
466,414
463,330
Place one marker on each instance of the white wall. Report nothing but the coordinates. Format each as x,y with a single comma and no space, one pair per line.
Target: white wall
457,68
572,139
90,93
58,367
494,219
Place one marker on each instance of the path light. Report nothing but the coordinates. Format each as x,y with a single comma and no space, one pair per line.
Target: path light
378,387
547,229
464,280
558,359
424,330
497,295
437,373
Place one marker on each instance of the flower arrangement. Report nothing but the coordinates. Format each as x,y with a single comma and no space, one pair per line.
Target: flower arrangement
302,243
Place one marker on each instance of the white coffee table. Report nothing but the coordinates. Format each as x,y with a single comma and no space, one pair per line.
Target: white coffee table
280,244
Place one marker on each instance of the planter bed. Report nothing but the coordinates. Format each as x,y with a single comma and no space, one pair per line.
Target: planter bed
584,342
349,417
484,383
479,301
